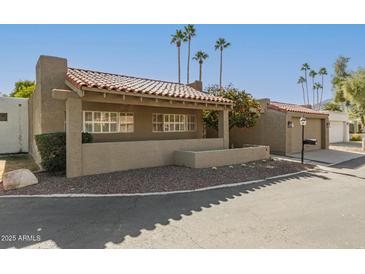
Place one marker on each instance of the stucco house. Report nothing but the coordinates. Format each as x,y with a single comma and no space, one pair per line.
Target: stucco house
279,128
135,122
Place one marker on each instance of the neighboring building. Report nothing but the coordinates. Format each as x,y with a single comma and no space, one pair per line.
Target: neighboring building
339,130
135,122
278,127
13,125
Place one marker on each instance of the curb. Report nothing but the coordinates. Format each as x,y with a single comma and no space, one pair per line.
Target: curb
86,195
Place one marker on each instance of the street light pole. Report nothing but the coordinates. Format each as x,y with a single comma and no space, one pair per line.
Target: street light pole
302,144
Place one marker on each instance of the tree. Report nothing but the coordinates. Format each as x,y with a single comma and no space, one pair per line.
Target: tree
317,86
357,112
305,67
332,106
301,81
313,74
341,73
23,89
189,33
200,57
178,38
322,72
353,88
245,109
221,44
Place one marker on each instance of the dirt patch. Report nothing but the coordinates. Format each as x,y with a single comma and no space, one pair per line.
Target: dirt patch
16,161
167,178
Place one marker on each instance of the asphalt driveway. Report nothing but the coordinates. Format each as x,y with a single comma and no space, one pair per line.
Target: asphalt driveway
322,209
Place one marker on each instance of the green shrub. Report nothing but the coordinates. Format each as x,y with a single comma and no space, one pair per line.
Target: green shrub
356,137
52,148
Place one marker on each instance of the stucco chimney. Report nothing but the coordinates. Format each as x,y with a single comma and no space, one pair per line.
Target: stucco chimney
50,74
198,85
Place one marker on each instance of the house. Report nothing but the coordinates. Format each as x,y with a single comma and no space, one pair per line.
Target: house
279,128
135,122
13,125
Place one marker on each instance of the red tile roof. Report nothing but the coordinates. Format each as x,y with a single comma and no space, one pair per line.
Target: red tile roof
293,108
81,78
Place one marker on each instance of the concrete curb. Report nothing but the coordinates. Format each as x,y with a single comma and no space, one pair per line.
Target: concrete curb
86,195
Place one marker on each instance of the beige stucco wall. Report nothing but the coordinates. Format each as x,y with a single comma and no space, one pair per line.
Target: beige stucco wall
115,156
204,159
143,123
315,128
269,131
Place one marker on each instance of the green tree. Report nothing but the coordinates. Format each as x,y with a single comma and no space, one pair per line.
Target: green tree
353,88
322,72
305,67
332,106
245,109
178,38
189,34
313,75
357,112
301,81
341,74
23,89
220,45
200,57
316,87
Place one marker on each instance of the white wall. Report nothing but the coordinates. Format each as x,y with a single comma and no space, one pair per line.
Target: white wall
14,131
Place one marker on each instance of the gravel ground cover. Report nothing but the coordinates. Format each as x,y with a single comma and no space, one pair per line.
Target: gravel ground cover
167,178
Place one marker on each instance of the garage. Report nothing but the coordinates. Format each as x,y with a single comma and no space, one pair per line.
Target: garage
339,130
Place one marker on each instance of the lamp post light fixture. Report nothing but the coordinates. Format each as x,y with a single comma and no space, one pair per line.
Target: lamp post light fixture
303,122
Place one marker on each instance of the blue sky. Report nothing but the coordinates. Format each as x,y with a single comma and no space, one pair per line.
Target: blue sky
263,59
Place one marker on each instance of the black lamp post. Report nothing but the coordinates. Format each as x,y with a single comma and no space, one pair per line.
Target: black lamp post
303,122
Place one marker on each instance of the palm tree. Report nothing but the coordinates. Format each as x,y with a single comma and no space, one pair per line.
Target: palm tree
189,33
301,81
221,44
306,67
177,39
322,72
313,74
316,87
200,56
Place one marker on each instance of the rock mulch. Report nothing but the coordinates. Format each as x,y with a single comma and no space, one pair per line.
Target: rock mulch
157,179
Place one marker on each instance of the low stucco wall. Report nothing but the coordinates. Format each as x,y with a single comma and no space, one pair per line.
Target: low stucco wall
116,156
202,159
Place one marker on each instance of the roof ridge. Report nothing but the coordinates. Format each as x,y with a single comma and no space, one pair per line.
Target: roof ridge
135,77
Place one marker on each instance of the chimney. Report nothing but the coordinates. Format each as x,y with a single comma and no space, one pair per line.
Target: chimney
198,85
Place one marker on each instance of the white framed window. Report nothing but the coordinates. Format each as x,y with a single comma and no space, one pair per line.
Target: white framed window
173,122
126,122
106,122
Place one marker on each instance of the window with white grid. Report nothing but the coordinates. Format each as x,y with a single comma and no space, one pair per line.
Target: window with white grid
173,122
107,122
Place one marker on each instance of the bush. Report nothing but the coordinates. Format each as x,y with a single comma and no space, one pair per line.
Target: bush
52,148
356,137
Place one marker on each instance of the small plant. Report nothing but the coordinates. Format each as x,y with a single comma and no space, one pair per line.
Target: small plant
356,137
52,148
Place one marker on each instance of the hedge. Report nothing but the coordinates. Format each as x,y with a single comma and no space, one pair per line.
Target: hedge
356,137
52,148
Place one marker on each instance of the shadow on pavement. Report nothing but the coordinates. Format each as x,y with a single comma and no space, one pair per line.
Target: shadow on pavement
93,222
351,164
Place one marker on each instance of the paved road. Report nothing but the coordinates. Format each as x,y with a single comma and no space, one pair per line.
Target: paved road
323,209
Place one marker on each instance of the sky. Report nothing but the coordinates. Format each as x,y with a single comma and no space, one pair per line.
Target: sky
264,60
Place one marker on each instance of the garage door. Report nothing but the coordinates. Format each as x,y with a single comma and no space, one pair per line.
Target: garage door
336,132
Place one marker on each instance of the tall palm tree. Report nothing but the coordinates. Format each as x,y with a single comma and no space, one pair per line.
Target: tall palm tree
305,67
221,44
313,74
189,33
322,72
178,38
200,56
301,81
316,87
